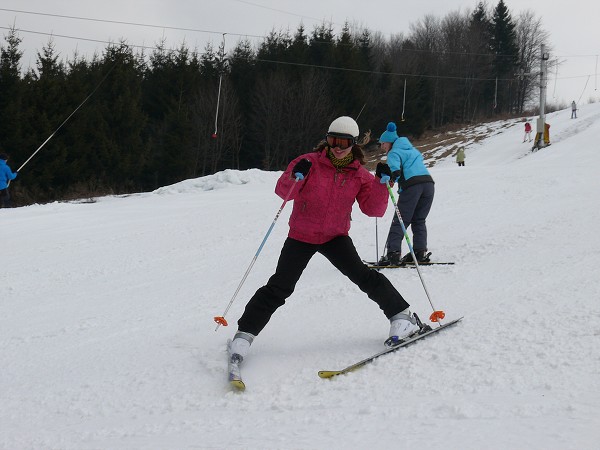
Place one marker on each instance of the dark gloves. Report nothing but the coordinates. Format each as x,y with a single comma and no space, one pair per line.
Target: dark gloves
301,168
396,174
383,172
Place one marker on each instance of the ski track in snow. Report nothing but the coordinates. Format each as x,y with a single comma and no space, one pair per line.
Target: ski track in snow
107,338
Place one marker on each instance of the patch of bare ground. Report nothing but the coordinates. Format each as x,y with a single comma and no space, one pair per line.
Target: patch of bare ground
437,144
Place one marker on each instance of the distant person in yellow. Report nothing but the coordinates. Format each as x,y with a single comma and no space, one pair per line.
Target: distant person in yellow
538,137
547,133
460,156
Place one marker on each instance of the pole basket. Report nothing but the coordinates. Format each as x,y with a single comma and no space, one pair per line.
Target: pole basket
214,135
435,316
221,320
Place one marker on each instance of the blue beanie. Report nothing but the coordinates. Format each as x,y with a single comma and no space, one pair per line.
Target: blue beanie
389,135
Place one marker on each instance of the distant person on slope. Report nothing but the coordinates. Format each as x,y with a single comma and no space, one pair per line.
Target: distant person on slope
415,196
5,176
573,110
331,179
460,156
527,132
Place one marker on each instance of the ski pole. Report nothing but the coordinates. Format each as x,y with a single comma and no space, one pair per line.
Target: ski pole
436,315
220,320
67,119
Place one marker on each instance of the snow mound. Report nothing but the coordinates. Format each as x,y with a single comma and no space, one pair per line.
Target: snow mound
220,180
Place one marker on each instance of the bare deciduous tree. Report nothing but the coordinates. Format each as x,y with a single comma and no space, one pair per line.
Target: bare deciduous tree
530,37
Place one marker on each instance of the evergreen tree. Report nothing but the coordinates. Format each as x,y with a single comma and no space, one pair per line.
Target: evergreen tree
243,77
480,93
122,118
88,129
350,87
11,91
504,46
299,47
49,109
321,46
272,52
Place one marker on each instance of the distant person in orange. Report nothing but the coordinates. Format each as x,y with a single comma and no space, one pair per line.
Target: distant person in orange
527,132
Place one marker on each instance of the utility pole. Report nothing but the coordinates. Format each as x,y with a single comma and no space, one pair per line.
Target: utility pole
541,122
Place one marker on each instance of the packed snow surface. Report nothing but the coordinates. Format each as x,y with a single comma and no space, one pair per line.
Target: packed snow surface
108,341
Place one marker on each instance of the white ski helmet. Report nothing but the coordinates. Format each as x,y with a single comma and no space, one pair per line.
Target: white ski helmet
344,127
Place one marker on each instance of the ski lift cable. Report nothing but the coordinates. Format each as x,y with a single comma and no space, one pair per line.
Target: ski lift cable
403,101
220,83
69,116
583,91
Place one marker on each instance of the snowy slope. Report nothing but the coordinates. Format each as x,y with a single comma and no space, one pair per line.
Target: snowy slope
107,337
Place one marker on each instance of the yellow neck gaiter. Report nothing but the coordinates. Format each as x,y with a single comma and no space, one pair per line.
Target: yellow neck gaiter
339,164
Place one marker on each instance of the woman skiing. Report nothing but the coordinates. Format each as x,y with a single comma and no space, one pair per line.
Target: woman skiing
328,182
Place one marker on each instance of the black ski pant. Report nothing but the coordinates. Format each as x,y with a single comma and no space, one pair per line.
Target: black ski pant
5,199
294,258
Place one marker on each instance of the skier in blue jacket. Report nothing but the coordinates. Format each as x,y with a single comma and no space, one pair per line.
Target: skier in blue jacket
415,196
5,176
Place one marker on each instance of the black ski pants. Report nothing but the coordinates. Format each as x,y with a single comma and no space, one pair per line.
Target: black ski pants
5,199
294,258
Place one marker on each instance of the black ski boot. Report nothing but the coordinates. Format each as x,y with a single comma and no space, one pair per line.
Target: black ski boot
422,257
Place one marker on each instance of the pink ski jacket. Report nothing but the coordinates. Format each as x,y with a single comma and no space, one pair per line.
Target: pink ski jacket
323,200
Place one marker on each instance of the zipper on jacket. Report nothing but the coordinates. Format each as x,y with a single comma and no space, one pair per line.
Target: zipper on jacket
335,177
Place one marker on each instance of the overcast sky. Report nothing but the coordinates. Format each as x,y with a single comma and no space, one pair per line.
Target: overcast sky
573,26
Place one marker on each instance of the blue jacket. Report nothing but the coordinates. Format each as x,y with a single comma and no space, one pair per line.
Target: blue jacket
406,159
5,174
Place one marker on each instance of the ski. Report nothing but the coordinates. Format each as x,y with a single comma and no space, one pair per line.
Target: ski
404,343
233,369
374,265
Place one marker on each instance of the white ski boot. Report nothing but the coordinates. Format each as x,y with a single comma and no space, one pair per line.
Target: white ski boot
240,346
402,326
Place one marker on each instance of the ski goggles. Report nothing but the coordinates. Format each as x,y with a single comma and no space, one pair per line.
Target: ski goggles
340,142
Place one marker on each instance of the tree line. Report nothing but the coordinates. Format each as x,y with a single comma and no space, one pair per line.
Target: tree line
151,119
